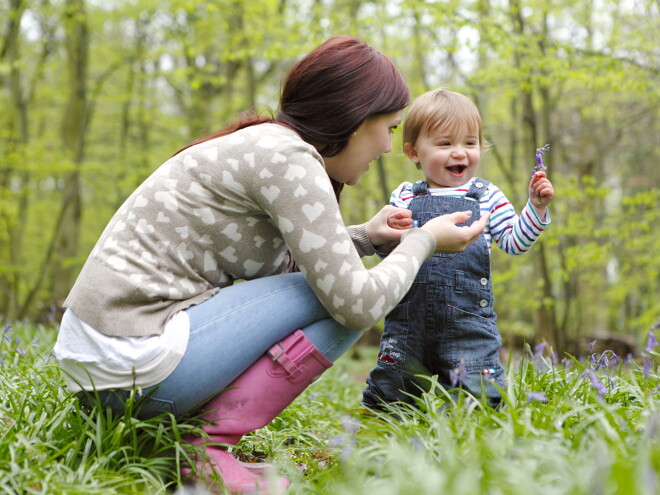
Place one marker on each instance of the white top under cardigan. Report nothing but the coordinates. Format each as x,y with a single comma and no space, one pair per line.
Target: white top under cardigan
91,360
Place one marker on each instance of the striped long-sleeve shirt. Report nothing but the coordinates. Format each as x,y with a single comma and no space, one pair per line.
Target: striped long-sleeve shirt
512,233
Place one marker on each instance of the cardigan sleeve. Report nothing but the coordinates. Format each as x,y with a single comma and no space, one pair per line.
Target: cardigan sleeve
294,190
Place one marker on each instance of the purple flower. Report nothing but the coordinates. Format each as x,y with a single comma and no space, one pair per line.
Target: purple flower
607,359
346,440
536,396
656,325
595,383
540,166
539,349
4,332
416,443
458,375
350,424
648,364
650,342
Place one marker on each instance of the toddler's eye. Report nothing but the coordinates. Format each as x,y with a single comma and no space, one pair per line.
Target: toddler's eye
393,128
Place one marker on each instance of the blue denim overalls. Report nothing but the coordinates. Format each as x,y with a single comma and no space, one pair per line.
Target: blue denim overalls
445,325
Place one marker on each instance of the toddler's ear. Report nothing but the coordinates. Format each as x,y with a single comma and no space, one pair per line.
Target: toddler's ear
411,152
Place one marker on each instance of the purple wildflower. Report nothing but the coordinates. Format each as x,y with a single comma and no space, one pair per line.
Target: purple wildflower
607,359
4,332
350,424
650,342
347,439
591,346
648,364
539,349
458,375
656,325
537,396
595,383
416,443
540,166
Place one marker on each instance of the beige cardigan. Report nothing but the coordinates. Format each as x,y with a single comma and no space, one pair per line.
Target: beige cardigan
229,209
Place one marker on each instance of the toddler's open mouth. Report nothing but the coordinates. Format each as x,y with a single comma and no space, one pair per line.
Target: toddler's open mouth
457,169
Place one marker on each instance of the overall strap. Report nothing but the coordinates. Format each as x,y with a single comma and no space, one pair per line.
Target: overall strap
477,189
420,188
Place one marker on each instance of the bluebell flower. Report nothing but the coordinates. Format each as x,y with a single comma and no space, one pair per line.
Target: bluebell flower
536,396
540,166
540,348
650,342
346,440
648,364
416,443
458,375
607,359
595,383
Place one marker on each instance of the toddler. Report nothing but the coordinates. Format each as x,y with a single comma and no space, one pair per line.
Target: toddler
446,325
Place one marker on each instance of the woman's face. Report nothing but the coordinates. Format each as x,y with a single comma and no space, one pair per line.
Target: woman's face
372,139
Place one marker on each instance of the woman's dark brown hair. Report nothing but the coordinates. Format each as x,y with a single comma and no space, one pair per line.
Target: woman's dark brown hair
330,92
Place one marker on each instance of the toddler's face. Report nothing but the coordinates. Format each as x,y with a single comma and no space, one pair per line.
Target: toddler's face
448,159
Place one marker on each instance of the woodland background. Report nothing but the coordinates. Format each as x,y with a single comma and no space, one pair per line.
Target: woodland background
95,94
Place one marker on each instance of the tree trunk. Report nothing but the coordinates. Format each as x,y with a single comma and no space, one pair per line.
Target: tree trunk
74,127
14,182
546,317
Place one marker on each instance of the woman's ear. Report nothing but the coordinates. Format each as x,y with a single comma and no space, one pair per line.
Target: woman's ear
411,152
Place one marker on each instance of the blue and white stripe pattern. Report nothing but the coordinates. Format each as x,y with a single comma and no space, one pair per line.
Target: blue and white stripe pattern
512,233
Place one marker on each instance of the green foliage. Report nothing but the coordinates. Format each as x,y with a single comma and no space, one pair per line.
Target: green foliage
570,427
50,444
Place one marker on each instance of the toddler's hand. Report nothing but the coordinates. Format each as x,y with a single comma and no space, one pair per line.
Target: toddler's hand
388,225
399,219
541,192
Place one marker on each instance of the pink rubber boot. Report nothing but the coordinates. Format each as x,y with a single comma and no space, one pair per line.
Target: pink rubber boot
252,401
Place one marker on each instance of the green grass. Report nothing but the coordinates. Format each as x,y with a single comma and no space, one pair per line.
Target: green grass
578,440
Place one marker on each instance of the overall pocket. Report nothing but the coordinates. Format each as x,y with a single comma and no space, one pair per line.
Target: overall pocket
473,339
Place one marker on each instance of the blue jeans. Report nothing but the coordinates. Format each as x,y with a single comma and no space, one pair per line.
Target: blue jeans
229,332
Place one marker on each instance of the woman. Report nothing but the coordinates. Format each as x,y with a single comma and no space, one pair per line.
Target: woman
155,305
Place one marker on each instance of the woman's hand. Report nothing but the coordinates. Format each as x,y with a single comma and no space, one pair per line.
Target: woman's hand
388,225
449,238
